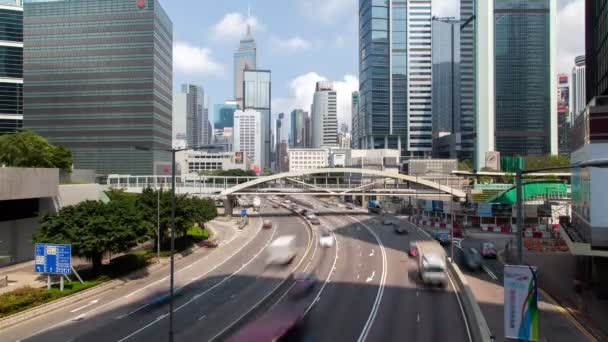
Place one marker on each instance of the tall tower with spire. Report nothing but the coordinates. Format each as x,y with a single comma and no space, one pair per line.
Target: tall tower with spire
244,58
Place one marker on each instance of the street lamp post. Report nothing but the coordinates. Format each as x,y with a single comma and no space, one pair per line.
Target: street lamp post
172,262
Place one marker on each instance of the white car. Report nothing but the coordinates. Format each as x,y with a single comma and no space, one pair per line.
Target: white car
326,239
282,250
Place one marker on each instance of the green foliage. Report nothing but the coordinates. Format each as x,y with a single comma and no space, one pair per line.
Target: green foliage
465,165
540,162
28,149
197,233
229,173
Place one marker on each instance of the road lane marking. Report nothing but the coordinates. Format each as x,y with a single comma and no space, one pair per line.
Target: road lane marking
490,273
208,290
333,268
372,253
464,316
202,317
78,318
418,318
417,293
132,312
93,302
370,278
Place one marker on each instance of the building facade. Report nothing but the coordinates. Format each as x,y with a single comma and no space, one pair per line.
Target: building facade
563,113
257,97
194,162
189,105
247,139
446,75
298,128
11,67
596,48
244,58
395,76
223,115
578,85
324,116
516,78
99,81
356,123
465,128
308,159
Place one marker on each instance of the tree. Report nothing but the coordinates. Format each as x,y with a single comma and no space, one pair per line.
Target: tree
93,228
465,165
540,162
28,149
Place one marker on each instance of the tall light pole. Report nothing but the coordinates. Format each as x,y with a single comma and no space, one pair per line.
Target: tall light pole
172,268
599,163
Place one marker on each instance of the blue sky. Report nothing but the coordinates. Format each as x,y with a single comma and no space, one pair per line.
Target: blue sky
301,41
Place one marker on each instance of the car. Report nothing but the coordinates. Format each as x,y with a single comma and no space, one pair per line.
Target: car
387,220
399,229
267,224
472,259
304,283
350,206
413,249
275,206
326,239
443,238
314,220
488,249
212,243
302,211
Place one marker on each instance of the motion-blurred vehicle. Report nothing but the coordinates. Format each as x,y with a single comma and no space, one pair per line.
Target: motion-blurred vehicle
267,224
275,206
304,284
488,249
432,266
373,206
326,239
443,238
314,220
282,250
350,206
287,202
257,203
387,220
399,229
209,243
412,249
302,211
284,322
472,259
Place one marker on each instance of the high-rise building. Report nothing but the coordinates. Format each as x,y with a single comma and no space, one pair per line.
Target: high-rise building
324,115
256,96
516,78
98,78
395,76
11,66
563,113
446,75
279,137
596,48
308,132
466,125
298,128
223,114
247,140
578,95
189,107
244,58
356,123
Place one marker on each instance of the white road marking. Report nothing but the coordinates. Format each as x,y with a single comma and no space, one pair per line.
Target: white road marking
132,312
202,317
333,268
160,317
357,276
418,318
372,253
370,278
208,290
417,293
93,302
490,273
78,318
464,316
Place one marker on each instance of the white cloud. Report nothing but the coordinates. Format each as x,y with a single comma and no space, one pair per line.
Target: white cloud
301,91
570,34
292,44
233,26
188,58
328,11
340,41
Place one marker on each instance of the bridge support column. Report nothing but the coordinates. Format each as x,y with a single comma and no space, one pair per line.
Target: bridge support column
364,201
228,205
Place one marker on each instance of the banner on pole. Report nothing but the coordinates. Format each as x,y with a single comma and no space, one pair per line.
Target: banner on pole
521,302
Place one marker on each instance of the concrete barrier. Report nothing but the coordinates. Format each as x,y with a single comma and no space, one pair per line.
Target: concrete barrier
480,331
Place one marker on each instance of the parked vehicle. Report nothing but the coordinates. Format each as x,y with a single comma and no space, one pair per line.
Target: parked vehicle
432,266
472,259
282,250
488,249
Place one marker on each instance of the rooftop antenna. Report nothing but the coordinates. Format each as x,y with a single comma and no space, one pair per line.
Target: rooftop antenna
248,18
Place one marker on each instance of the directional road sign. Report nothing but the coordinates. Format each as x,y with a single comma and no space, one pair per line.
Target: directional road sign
53,258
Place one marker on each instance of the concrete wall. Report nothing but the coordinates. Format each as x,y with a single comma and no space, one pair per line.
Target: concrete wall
71,194
23,183
77,176
16,240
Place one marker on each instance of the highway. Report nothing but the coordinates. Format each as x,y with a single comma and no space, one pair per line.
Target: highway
215,287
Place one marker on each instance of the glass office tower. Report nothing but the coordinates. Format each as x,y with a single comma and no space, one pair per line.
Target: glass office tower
98,78
596,48
395,73
257,96
11,66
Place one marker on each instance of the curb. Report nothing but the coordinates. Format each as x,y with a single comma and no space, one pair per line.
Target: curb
265,301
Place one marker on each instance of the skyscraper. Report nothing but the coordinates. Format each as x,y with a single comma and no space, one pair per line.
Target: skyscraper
244,58
298,128
465,127
256,96
247,139
395,75
446,75
578,94
11,67
98,78
596,48
189,106
355,120
516,78
563,113
324,116
223,115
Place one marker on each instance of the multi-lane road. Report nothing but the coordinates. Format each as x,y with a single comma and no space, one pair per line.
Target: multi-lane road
367,289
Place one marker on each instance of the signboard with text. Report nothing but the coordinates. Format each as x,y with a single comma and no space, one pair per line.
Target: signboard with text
53,258
521,302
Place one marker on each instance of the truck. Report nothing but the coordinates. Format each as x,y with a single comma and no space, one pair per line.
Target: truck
257,203
373,206
432,266
282,250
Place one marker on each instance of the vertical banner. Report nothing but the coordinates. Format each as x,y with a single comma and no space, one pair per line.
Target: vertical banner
521,302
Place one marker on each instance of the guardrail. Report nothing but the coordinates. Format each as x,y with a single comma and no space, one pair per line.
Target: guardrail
480,331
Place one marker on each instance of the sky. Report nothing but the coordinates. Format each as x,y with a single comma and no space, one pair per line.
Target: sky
301,42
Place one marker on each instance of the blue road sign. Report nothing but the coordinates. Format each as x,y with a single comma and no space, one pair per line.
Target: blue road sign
243,212
53,258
